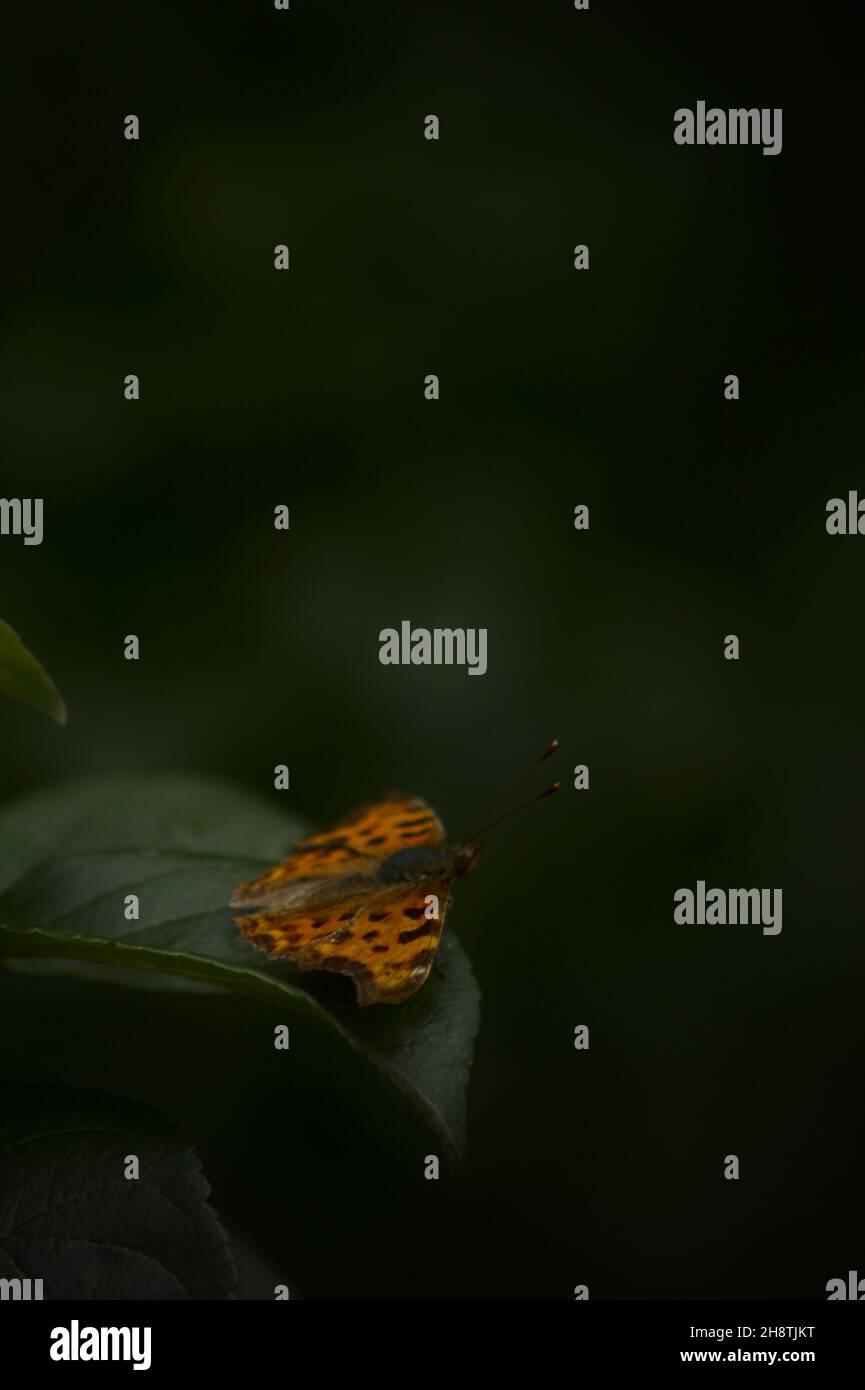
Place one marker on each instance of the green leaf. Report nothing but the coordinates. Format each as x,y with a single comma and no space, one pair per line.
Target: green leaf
69,856
23,678
70,1217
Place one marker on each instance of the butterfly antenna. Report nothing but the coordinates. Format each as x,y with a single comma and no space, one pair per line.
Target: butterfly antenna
513,811
509,791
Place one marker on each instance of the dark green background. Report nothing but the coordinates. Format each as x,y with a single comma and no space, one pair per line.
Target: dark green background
260,647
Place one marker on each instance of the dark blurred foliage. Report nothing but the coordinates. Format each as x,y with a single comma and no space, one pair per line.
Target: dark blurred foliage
258,647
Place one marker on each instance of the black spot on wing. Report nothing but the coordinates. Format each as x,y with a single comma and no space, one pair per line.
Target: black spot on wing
423,930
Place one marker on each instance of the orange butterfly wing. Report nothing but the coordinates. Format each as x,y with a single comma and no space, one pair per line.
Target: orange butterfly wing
384,939
352,850
383,827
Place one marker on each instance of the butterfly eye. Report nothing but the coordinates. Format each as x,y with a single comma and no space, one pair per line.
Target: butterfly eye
465,858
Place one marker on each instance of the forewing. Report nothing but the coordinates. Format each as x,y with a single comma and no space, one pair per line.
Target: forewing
383,827
385,941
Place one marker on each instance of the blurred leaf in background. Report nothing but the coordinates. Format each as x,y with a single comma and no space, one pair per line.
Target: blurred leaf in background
23,678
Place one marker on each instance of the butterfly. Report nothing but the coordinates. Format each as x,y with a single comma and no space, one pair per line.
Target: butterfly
369,896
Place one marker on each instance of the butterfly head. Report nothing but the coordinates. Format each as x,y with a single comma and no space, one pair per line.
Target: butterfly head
464,857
